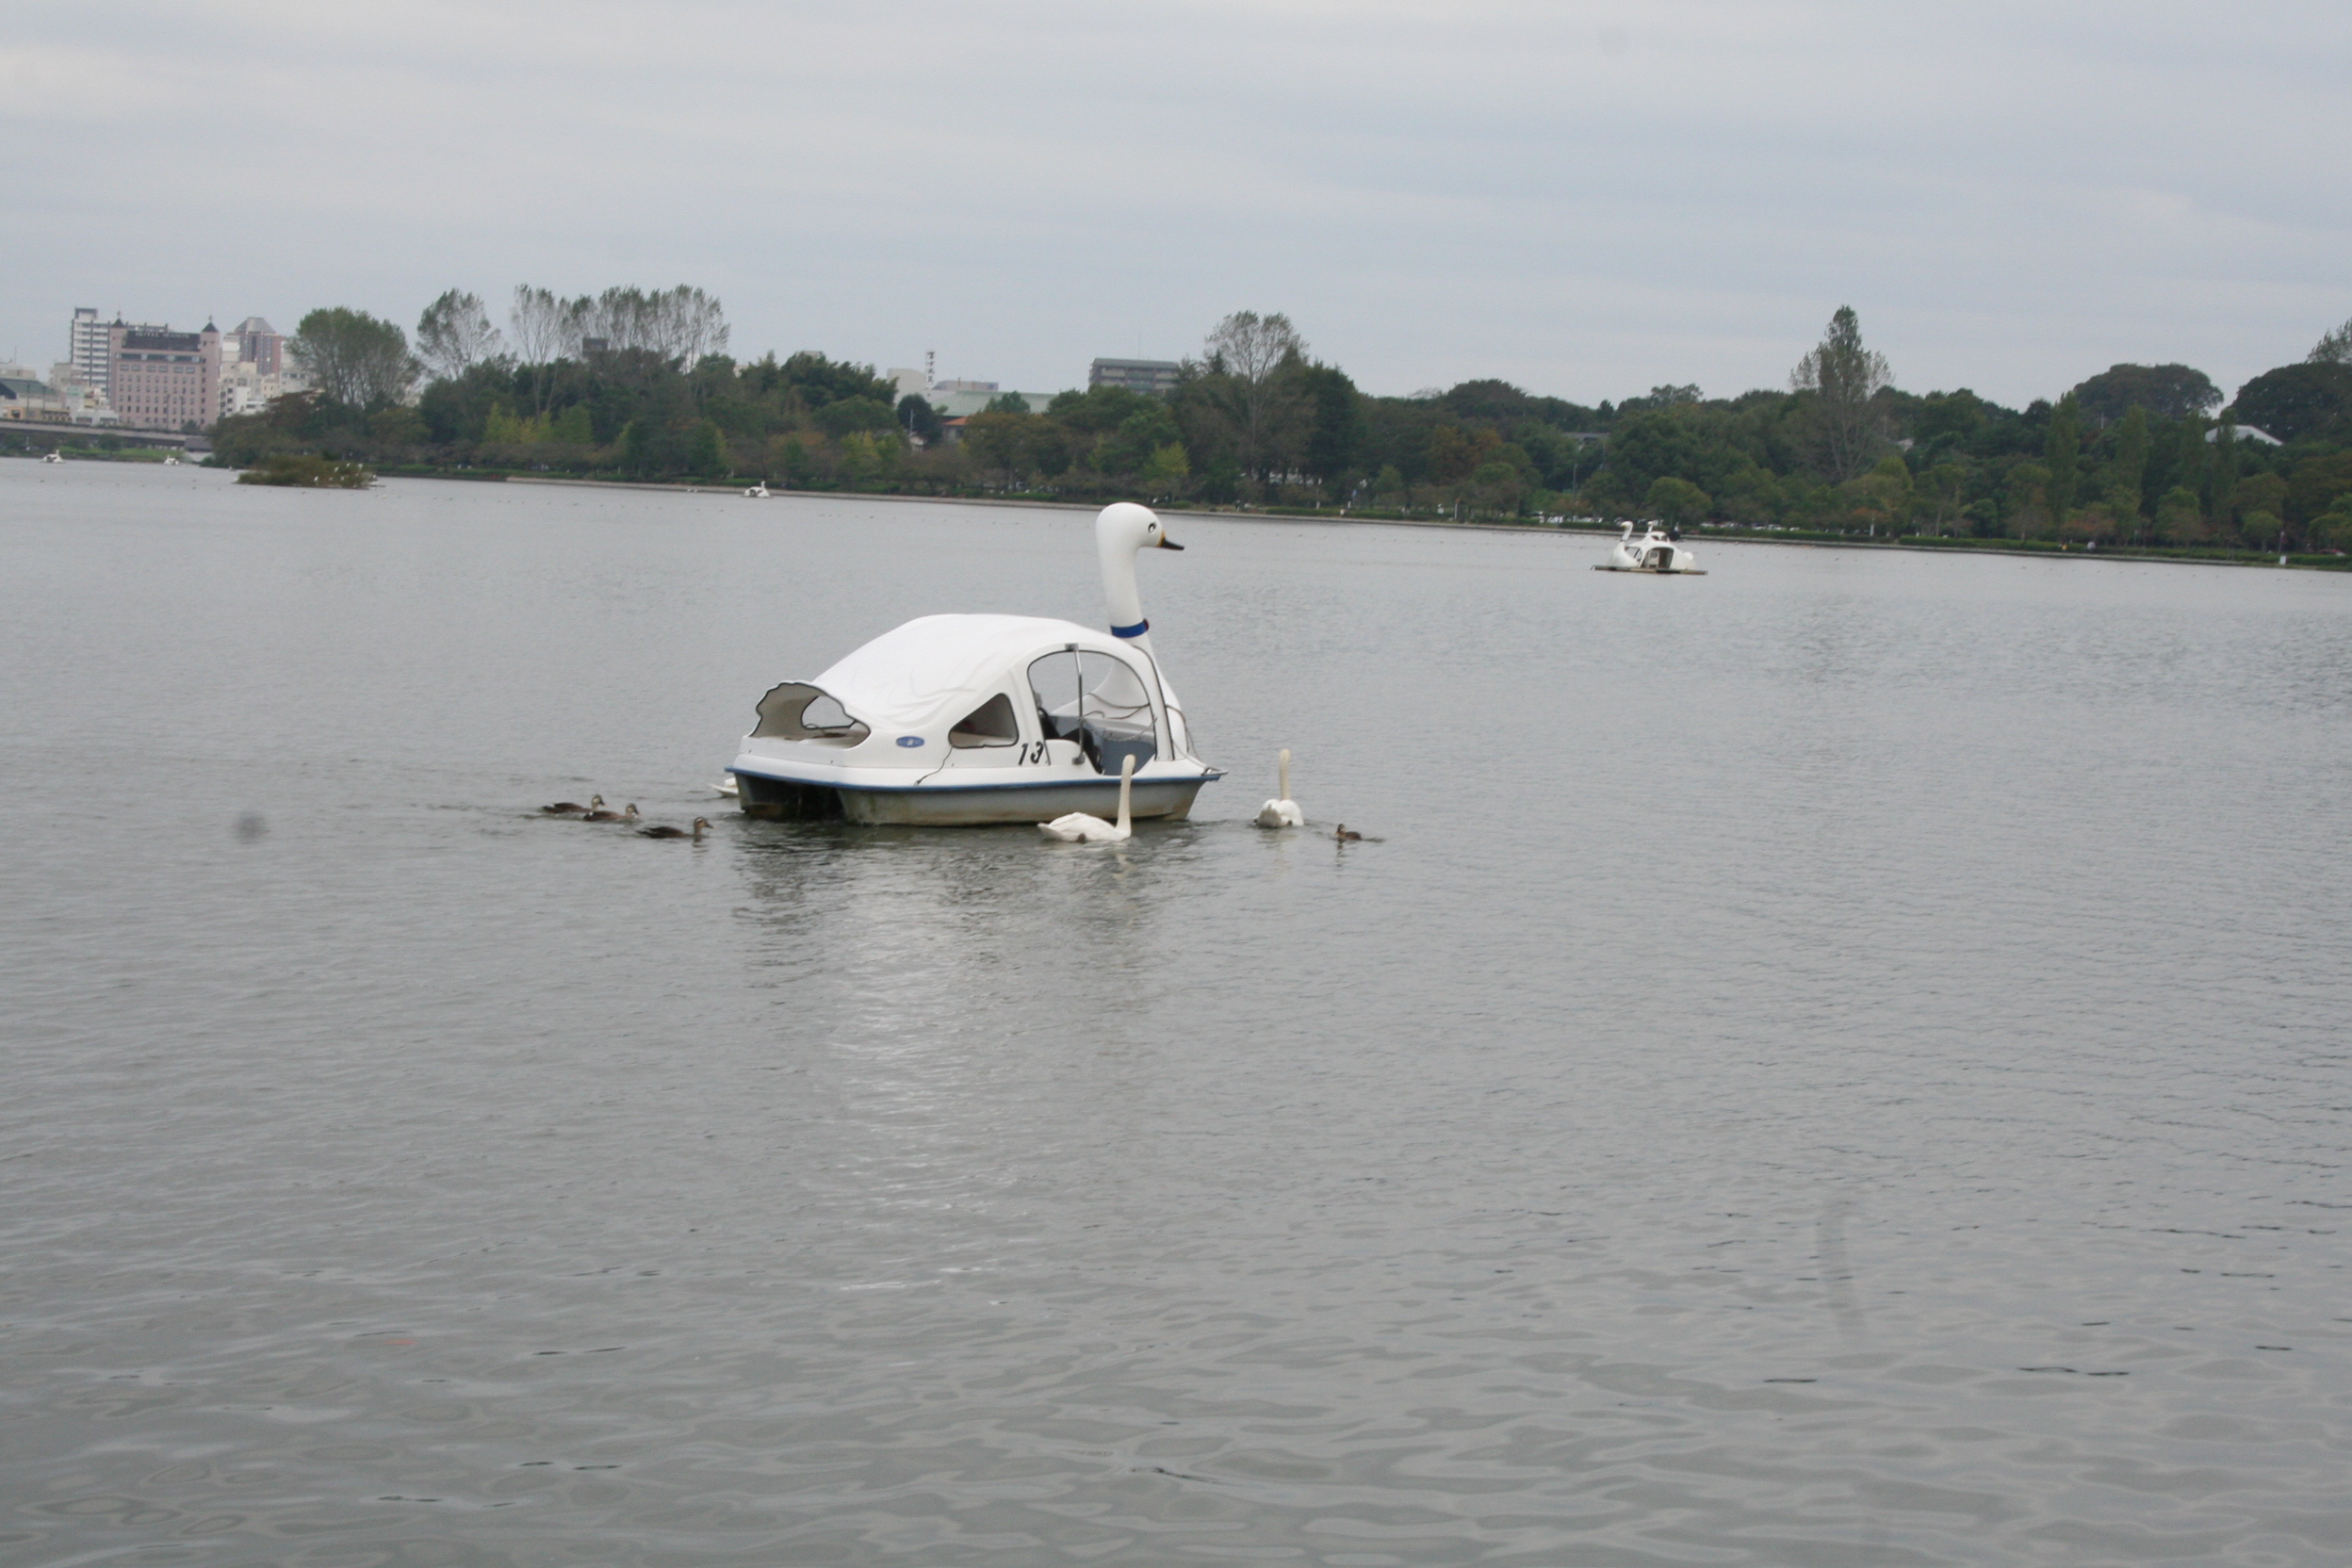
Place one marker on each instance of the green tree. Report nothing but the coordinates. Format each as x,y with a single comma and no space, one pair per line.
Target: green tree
1944,483
2317,482
503,429
705,450
790,459
1844,379
2179,518
861,461
573,427
918,418
2258,502
2026,491
353,357
999,441
2167,391
2130,471
2332,529
2062,451
1678,502
844,415
1335,427
1882,498
2222,475
1166,468
2297,400
1137,439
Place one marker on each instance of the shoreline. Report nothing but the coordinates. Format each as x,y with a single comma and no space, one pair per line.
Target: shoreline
1957,547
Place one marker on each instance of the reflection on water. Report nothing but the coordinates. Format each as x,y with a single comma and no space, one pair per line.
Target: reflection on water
1836,1061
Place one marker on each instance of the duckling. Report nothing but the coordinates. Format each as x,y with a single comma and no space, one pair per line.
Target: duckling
702,825
1344,837
627,815
573,807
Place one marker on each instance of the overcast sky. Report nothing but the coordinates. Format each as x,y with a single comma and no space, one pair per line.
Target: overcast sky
1587,199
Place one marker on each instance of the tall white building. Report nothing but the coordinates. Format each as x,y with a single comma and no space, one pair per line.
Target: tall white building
88,352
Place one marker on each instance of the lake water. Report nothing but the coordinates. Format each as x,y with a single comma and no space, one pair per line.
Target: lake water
1839,1061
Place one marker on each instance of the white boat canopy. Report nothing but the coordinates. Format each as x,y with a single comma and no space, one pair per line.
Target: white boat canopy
959,677
969,719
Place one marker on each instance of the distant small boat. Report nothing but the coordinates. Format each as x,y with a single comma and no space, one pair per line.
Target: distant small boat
171,461
1656,552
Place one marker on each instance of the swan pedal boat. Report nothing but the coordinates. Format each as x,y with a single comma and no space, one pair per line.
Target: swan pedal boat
1658,553
970,720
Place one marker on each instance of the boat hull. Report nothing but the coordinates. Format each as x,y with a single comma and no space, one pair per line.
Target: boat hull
961,805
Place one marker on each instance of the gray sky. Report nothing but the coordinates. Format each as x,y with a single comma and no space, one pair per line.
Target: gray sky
1584,199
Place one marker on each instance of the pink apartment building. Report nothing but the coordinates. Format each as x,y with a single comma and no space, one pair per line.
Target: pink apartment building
163,380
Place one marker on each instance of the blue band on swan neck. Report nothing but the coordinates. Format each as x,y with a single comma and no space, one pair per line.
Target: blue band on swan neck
1136,630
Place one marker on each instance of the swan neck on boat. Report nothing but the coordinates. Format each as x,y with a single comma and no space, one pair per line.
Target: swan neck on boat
1120,529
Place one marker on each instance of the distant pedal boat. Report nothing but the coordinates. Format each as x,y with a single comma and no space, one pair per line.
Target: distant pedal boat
1659,554
968,720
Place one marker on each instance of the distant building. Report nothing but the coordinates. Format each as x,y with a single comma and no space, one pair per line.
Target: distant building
159,378
254,342
87,349
959,405
22,398
255,368
909,383
1156,376
2255,433
85,404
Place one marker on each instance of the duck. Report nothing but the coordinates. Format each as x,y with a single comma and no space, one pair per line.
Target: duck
1076,828
1345,836
627,814
573,807
1282,811
702,825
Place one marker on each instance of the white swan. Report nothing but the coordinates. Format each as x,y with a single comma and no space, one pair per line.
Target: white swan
1079,828
1283,812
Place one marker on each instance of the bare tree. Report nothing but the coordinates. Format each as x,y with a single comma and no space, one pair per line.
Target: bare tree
681,323
1844,377
1242,372
545,328
455,335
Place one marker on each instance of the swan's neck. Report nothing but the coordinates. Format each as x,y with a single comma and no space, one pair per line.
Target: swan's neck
1119,593
1126,784
1285,770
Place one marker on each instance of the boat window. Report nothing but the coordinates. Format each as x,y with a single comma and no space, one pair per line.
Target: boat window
1096,700
991,724
798,711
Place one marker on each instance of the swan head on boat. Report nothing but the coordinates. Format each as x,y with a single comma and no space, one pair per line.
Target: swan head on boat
1121,529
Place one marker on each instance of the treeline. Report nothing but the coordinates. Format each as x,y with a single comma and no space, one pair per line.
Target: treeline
637,385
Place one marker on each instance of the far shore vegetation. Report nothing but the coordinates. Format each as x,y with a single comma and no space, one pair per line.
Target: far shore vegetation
308,472
637,386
